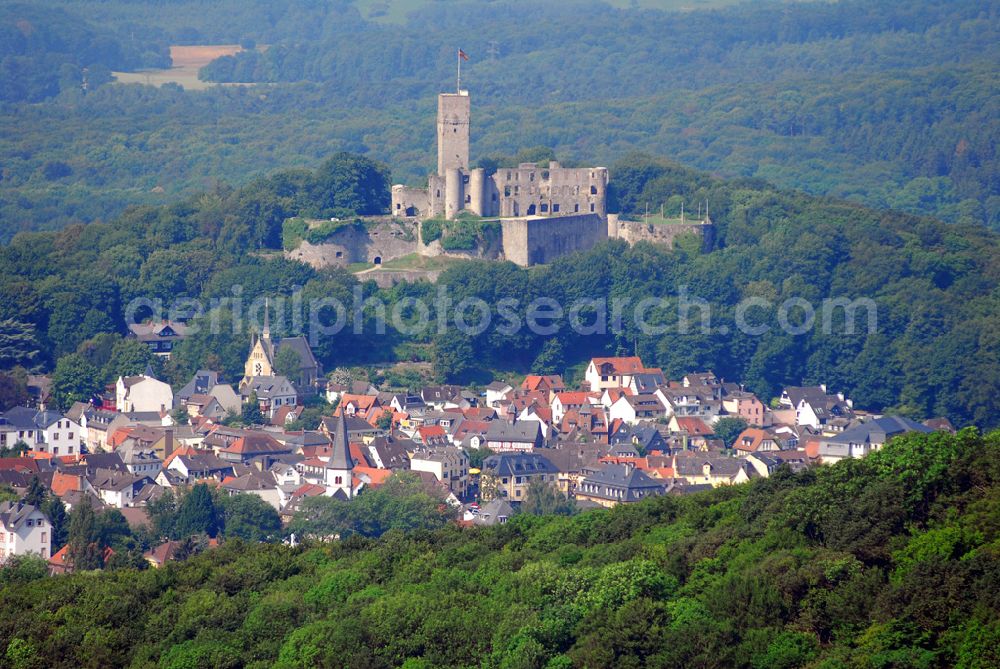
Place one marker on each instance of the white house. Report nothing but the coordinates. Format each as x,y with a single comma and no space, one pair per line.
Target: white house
43,431
563,402
118,489
497,391
605,373
534,413
273,393
449,465
142,393
25,531
633,408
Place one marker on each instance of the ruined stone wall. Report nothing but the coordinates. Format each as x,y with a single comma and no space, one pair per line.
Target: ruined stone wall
353,244
531,241
530,190
408,201
664,234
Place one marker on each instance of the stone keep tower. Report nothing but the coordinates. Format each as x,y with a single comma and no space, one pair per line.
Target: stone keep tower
525,190
453,132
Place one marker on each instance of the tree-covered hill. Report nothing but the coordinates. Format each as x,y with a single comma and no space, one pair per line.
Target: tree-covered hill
891,104
930,350
890,561
45,50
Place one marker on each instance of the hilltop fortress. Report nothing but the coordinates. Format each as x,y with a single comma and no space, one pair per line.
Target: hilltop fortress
526,190
538,213
544,212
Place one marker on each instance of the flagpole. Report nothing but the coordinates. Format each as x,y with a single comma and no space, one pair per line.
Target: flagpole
458,79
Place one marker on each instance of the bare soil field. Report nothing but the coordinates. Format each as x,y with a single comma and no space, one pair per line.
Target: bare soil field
187,60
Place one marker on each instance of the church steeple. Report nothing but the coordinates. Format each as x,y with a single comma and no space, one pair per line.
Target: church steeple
266,332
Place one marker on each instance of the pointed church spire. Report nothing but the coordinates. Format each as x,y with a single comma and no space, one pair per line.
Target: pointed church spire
340,458
266,333
149,371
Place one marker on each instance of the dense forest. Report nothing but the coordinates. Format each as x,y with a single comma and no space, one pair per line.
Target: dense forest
933,350
44,51
890,561
889,104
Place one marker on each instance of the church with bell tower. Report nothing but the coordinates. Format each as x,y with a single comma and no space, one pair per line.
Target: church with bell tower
264,352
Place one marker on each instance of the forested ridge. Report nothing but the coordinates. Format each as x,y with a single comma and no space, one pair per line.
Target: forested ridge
885,103
883,562
933,351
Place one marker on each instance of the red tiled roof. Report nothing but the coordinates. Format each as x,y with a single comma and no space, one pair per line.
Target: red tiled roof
64,483
574,398
23,464
317,451
626,365
181,450
545,413
750,439
120,435
693,425
309,490
357,454
539,381
377,476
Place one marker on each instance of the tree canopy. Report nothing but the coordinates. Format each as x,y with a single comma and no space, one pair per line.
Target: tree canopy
886,561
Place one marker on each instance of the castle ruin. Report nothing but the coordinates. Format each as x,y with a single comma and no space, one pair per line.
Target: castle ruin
527,199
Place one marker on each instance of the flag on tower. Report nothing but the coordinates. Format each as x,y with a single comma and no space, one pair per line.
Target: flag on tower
463,55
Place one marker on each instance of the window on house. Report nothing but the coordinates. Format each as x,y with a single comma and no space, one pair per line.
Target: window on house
339,480
70,436
555,209
576,207
31,523
545,208
591,207
45,537
55,436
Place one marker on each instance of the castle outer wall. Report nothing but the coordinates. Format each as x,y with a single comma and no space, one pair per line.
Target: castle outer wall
660,234
536,240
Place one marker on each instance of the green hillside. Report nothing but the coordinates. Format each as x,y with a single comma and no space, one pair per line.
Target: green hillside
890,104
891,561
